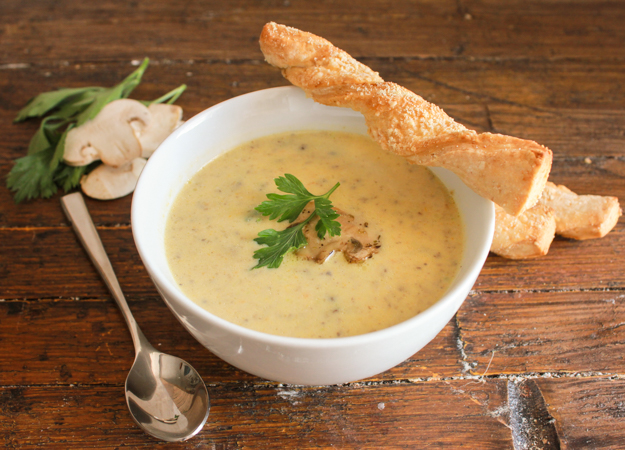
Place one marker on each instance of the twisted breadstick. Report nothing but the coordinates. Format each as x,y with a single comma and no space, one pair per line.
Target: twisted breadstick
509,171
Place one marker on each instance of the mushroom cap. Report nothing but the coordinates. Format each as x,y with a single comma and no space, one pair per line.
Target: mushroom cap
109,136
164,120
107,183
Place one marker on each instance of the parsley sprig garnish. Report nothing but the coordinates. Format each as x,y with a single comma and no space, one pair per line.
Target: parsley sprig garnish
289,207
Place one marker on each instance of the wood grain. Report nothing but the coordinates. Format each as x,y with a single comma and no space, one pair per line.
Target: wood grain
214,30
539,340
257,416
544,332
588,414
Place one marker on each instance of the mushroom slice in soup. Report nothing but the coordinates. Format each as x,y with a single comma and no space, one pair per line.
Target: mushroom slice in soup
354,241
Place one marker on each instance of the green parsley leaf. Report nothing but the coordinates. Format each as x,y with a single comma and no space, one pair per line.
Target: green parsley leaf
279,244
171,96
286,207
44,103
59,149
289,183
326,224
68,177
41,139
289,207
31,176
106,96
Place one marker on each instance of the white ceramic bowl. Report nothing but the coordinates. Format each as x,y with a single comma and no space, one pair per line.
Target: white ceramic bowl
284,359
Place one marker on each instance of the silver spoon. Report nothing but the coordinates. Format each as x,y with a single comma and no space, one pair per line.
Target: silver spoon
165,395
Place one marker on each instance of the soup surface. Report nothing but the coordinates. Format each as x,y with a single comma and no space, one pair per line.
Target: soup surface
212,224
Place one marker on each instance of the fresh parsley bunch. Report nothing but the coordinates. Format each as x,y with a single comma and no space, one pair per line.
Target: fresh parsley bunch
42,172
289,207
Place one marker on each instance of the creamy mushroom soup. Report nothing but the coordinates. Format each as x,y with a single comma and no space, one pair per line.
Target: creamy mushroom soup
212,224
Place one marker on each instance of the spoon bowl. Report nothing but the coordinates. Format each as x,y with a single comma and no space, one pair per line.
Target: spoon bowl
175,380
166,396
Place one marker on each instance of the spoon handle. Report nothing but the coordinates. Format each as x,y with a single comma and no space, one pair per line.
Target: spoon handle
77,213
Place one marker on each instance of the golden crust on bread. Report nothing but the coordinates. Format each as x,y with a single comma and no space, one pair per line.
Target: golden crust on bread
495,166
559,210
528,235
509,171
581,216
309,61
397,118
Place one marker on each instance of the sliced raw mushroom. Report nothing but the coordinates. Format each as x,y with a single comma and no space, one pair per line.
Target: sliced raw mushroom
107,183
164,120
109,136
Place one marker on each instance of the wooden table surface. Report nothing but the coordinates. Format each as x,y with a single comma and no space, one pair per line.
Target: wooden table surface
533,359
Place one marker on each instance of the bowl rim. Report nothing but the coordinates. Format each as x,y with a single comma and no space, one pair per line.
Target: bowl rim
445,303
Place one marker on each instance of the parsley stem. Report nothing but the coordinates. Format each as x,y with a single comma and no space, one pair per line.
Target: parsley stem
329,193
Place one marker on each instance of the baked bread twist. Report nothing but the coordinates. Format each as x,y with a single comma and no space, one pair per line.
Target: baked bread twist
509,171
558,211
